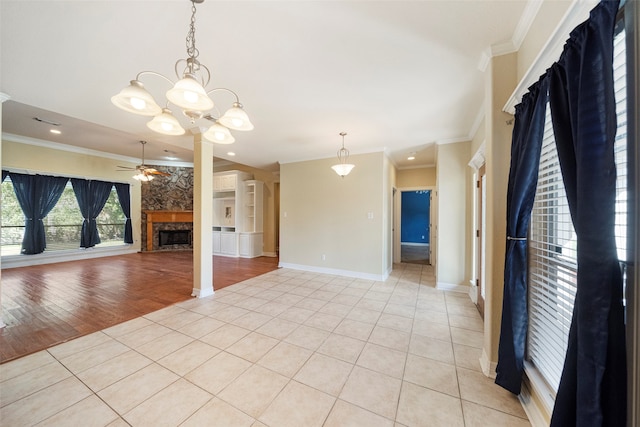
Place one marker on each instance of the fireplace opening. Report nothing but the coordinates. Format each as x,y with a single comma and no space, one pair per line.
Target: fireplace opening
174,237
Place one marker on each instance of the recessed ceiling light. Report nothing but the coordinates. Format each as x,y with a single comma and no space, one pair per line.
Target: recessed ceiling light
231,153
56,131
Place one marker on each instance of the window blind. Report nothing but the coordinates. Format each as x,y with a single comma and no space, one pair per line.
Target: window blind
552,241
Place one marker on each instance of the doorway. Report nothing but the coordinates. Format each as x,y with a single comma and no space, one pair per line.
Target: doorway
415,227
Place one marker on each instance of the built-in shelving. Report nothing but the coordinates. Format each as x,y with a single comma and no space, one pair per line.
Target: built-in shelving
237,214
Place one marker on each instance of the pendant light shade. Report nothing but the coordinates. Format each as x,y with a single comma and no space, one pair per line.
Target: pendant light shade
218,134
235,118
188,94
135,99
343,168
166,124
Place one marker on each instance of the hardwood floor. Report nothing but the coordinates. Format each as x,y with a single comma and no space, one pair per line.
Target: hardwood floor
49,304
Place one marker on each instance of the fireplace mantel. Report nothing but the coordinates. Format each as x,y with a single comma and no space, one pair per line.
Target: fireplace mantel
164,216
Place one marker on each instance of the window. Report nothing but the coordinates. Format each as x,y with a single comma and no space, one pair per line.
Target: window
63,224
552,240
12,220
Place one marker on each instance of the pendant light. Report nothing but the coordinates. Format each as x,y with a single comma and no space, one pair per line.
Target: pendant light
343,168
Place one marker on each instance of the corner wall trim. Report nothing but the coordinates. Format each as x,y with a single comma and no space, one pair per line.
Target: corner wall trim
199,293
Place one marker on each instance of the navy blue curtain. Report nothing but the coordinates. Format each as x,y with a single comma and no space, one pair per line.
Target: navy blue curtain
37,195
592,389
4,175
125,203
91,196
523,178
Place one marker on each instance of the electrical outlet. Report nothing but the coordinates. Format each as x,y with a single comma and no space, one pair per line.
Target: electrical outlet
324,257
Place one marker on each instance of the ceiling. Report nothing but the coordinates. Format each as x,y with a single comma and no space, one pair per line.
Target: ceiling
398,76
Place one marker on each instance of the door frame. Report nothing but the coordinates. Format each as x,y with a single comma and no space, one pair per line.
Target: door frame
480,237
397,222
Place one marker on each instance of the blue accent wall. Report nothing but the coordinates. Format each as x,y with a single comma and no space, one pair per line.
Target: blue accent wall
415,216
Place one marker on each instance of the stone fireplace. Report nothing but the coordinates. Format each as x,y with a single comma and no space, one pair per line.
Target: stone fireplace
168,230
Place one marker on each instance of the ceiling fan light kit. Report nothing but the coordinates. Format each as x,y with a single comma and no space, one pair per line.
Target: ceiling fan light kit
189,93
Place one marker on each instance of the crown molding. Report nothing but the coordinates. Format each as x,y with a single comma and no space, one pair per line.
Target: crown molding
4,97
453,140
87,151
577,13
522,28
526,20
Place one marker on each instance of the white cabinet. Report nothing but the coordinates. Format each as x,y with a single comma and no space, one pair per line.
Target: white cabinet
229,243
226,182
216,242
250,245
237,214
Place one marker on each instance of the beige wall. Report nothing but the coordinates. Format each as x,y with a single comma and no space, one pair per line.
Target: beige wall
389,181
38,159
500,82
269,201
452,213
545,22
324,214
416,177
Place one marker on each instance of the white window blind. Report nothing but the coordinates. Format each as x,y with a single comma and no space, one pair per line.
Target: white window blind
552,241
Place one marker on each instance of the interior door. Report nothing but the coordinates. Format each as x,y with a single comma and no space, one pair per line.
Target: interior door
481,237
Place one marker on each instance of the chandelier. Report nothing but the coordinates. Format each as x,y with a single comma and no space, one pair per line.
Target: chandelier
188,93
343,168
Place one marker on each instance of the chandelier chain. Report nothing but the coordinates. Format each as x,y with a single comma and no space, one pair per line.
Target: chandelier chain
192,51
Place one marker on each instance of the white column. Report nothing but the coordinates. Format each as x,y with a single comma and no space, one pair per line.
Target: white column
202,217
3,97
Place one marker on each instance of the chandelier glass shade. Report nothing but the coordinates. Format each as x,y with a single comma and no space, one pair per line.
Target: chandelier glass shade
166,124
189,93
343,168
218,133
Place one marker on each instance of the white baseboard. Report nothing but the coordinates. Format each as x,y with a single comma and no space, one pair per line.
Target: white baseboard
270,254
488,367
473,292
452,287
13,261
336,272
199,293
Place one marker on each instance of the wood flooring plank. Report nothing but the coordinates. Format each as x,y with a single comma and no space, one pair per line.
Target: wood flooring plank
50,304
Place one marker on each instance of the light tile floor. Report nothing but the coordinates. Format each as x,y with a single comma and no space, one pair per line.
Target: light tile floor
289,348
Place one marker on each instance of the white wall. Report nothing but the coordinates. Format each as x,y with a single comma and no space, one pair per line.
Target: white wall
342,219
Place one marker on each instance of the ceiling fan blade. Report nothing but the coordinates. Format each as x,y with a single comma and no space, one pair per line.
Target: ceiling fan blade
125,168
156,172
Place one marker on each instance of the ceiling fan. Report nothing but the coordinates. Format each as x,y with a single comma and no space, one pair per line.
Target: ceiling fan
145,173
